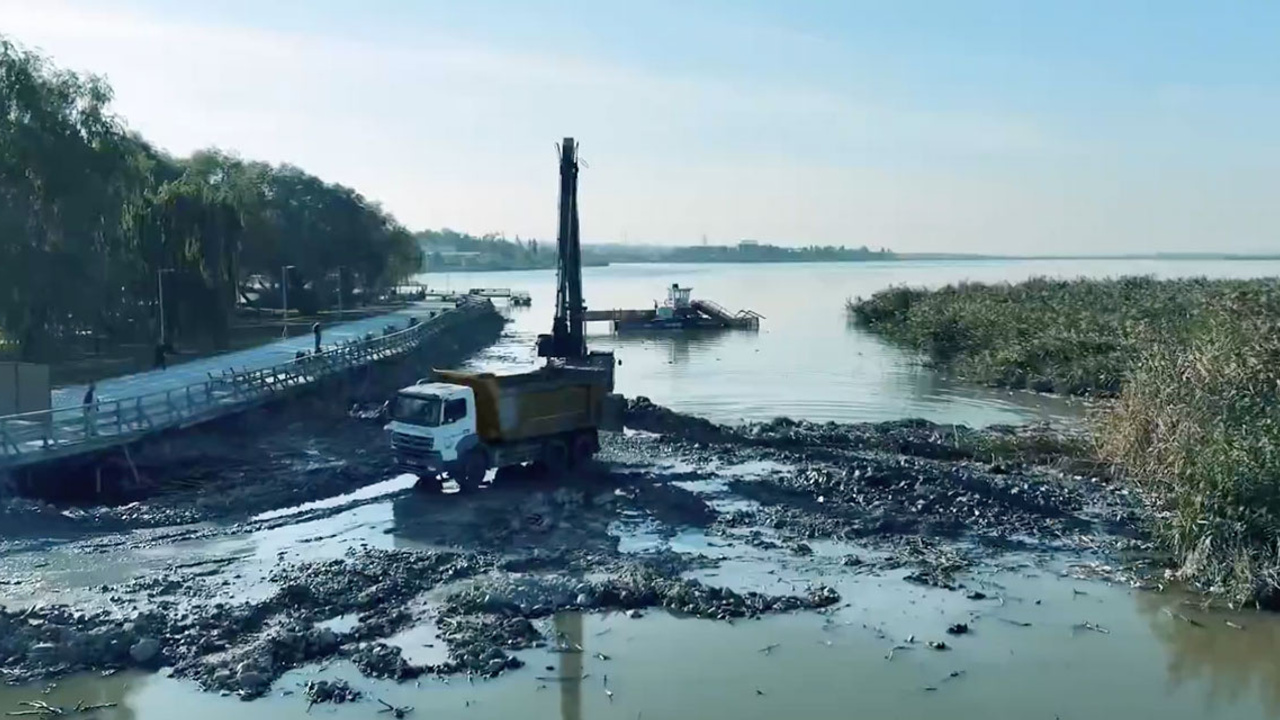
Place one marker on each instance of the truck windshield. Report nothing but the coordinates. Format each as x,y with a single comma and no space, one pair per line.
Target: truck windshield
416,410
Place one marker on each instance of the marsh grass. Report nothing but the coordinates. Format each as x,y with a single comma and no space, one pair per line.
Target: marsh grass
1194,367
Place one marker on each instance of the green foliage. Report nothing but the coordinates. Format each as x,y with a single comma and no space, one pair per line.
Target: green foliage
1198,427
1195,368
1068,336
90,214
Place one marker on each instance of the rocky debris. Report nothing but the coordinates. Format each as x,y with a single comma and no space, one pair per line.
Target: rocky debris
634,588
243,648
330,691
643,414
900,479
46,641
382,661
144,651
478,644
370,580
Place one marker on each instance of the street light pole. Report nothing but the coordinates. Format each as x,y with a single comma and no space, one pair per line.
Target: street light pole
160,283
284,279
339,293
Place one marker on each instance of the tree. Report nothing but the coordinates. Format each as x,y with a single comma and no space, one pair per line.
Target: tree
90,213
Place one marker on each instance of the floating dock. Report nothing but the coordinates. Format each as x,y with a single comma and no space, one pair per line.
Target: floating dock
679,312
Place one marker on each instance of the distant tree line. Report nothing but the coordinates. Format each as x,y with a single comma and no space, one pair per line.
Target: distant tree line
452,250
92,216
751,252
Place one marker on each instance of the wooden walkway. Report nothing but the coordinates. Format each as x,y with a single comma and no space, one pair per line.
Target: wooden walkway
129,408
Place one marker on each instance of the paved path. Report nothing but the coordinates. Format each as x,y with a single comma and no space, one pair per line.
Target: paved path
255,358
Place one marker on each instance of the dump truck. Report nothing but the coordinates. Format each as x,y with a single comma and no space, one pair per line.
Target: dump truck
460,425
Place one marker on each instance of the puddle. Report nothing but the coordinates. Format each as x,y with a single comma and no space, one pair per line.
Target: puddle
342,623
398,484
646,536
421,645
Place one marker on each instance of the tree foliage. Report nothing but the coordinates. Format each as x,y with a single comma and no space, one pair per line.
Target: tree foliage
91,216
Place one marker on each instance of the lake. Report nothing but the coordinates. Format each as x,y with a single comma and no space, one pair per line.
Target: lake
806,361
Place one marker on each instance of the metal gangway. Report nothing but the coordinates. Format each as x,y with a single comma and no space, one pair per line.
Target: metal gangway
743,319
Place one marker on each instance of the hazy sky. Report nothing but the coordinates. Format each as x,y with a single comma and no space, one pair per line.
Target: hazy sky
976,126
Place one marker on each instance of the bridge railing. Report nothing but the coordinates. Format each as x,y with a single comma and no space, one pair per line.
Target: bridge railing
30,437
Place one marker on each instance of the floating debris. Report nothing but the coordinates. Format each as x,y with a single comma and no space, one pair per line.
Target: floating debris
399,712
1093,627
1179,616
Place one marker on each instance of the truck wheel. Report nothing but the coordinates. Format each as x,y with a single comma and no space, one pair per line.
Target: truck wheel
427,483
555,457
584,448
471,471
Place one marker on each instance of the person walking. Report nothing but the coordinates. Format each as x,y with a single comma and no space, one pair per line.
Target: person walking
90,398
315,330
159,358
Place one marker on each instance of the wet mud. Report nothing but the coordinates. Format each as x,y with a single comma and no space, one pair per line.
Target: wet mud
485,569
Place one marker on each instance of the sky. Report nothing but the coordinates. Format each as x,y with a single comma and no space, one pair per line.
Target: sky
992,126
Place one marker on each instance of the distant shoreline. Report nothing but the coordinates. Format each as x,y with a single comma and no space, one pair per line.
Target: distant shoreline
902,257
1148,256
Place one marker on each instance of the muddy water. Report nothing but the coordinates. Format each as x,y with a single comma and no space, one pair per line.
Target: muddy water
1027,658
1029,655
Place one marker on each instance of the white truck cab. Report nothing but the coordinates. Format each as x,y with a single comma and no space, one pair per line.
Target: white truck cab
432,423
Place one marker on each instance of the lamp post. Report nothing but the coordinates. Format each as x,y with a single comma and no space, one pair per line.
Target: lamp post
164,336
284,280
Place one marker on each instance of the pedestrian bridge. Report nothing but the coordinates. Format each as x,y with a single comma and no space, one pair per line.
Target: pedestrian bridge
130,408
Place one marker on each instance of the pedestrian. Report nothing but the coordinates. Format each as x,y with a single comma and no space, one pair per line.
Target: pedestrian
159,356
315,330
89,398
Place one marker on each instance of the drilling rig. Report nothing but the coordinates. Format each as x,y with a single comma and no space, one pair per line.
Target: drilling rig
459,425
567,342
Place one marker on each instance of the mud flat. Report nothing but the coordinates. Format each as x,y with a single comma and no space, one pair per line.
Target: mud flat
691,534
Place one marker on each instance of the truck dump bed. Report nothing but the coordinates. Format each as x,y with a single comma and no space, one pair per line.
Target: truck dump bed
547,401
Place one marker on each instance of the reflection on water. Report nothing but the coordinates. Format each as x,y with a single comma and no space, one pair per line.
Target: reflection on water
679,347
1234,662
569,628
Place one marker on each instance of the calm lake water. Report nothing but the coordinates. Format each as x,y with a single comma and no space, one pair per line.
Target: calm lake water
806,361
1027,657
